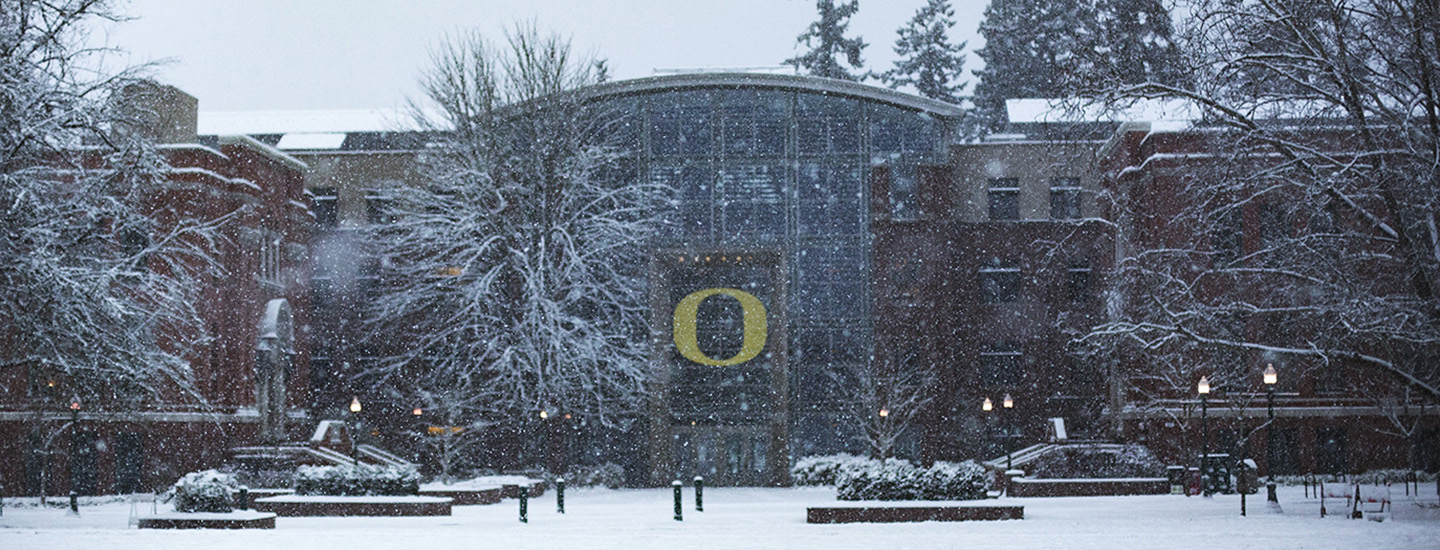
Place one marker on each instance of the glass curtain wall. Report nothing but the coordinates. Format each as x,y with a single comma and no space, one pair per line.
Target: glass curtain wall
786,170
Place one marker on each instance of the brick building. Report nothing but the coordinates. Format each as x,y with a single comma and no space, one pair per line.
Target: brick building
251,369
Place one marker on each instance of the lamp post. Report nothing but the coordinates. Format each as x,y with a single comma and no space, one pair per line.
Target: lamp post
1203,388
1009,405
355,439
74,447
1271,378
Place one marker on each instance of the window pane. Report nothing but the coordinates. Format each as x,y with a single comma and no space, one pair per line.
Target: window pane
896,130
752,122
680,123
752,199
826,124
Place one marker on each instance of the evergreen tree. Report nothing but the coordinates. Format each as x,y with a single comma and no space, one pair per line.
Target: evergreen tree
928,61
829,48
1136,44
1033,49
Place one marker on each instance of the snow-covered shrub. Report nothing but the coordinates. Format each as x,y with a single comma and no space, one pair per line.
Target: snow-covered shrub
362,479
823,469
207,491
1096,461
608,475
900,480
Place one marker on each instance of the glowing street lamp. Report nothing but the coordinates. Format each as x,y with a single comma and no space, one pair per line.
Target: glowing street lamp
355,438
884,413
1203,388
987,406
1271,378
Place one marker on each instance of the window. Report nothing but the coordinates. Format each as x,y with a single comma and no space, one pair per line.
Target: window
380,207
752,200
1331,454
1004,199
1000,365
826,124
325,206
829,283
1226,241
272,258
999,282
830,199
1077,281
1065,198
752,122
903,200
680,123
896,130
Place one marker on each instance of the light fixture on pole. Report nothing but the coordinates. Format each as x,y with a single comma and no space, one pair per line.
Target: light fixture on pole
884,413
1203,388
74,445
355,438
1009,405
1271,378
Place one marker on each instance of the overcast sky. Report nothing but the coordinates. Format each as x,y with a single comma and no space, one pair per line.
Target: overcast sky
353,54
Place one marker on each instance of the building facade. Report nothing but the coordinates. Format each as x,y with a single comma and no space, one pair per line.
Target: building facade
251,372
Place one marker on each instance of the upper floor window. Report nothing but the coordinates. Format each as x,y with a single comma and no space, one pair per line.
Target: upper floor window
1065,198
999,282
380,208
1077,281
1000,365
325,206
1004,199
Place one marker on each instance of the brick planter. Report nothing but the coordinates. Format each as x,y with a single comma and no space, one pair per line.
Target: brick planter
309,506
513,491
1022,487
234,520
880,513
463,497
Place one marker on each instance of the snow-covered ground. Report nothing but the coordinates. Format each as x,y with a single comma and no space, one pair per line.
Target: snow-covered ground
766,518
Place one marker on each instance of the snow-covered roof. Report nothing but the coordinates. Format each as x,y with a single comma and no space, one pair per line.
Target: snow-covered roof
1170,113
303,122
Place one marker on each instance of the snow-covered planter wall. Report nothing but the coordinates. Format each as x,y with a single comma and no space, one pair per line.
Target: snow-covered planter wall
899,480
823,470
207,491
362,479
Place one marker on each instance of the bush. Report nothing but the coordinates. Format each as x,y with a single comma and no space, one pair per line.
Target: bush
357,480
1096,461
207,491
609,475
823,470
899,480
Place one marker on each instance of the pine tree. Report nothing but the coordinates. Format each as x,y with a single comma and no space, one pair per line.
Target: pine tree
1136,43
829,48
1033,49
928,61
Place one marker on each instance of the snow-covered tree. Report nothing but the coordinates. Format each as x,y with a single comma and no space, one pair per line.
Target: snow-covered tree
513,286
98,294
828,50
1033,49
1310,223
1135,44
927,59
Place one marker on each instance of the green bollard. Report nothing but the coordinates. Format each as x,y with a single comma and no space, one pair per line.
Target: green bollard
74,503
676,484
524,504
560,495
699,494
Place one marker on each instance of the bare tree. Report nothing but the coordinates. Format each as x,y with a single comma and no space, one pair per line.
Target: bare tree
883,406
1304,220
513,279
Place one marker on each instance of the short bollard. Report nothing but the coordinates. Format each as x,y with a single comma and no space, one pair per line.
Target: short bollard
699,494
524,504
244,498
560,495
676,484
74,503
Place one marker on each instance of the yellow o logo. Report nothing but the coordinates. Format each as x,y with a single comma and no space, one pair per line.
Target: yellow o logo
688,310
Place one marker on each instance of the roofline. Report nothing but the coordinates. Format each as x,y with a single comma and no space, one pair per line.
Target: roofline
779,81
